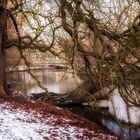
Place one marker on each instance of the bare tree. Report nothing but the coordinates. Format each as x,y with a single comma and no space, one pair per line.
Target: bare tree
97,38
3,39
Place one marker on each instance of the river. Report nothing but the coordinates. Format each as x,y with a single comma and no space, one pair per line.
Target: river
60,81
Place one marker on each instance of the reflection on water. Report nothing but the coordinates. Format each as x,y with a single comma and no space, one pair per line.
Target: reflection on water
127,132
54,80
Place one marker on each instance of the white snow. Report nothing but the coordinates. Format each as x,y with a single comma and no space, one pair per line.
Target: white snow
16,124
119,109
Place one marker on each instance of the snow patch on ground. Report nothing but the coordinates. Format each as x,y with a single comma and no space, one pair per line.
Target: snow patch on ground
19,123
16,124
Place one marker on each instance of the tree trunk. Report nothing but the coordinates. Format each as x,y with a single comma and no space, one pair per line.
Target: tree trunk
3,38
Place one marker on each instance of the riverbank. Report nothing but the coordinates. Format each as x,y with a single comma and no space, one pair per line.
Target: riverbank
20,119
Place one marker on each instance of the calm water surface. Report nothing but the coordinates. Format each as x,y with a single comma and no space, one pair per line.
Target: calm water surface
57,81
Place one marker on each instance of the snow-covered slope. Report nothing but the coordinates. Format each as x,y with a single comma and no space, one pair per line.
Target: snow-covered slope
27,121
